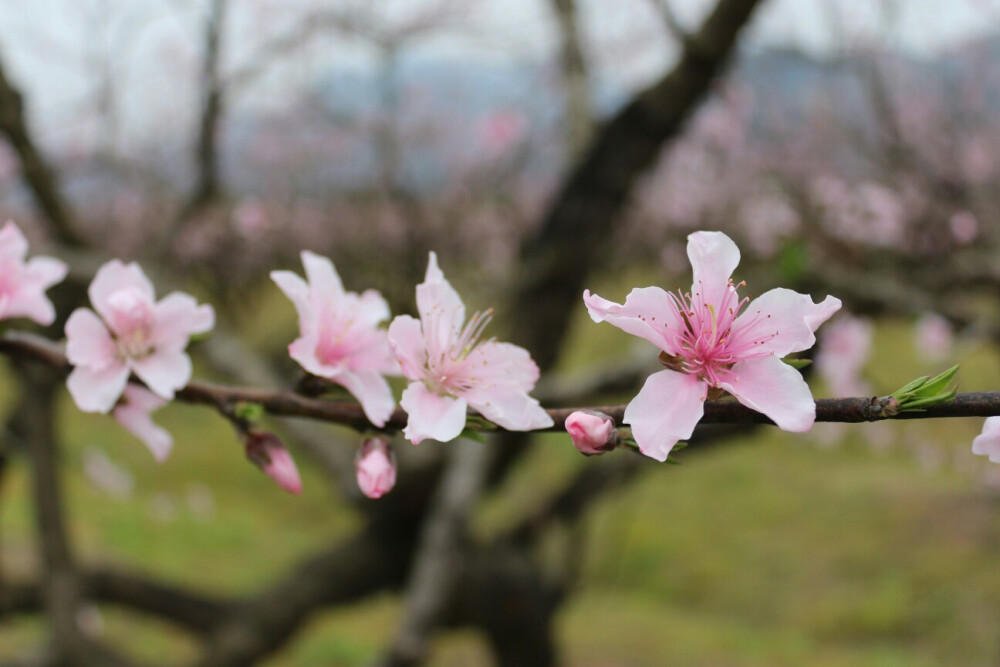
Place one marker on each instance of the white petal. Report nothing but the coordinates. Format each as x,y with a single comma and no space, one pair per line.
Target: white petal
647,313
713,257
97,390
432,416
372,391
164,371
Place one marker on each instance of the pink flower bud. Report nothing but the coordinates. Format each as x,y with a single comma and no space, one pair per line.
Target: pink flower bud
267,452
375,465
592,432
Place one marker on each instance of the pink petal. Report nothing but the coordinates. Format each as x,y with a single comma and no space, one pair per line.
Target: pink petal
45,271
713,257
134,416
13,245
372,391
375,355
772,387
406,339
666,410
297,291
322,276
113,277
509,406
647,313
987,443
431,415
493,363
97,390
783,321
177,317
88,341
164,371
441,309
303,351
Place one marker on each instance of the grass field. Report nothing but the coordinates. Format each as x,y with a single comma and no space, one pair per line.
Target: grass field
770,550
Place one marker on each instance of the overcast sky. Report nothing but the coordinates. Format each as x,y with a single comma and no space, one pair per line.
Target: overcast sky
53,47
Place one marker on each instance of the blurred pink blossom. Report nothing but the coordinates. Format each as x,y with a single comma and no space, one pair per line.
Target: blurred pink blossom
130,332
501,131
934,337
268,453
707,344
133,413
592,432
449,368
375,466
987,443
845,345
23,283
339,336
964,227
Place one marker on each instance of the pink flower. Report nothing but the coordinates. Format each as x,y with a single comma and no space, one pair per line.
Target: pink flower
268,453
133,413
451,369
592,432
707,344
375,466
934,336
23,284
340,339
844,348
131,332
987,443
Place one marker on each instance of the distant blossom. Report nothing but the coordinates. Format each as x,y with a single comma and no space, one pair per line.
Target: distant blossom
339,335
131,332
712,340
23,283
934,337
450,369
845,346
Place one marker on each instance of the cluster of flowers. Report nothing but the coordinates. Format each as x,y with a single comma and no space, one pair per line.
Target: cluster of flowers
711,341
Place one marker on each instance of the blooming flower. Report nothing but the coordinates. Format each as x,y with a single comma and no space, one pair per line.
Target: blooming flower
712,339
133,413
450,368
592,432
130,332
987,443
23,284
268,453
340,339
375,466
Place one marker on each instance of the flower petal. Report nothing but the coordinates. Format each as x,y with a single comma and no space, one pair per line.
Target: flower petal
88,341
45,271
665,410
13,245
509,406
987,443
113,277
97,389
164,371
406,338
782,321
134,416
297,290
177,317
431,415
713,257
441,309
491,363
772,387
647,313
322,276
372,391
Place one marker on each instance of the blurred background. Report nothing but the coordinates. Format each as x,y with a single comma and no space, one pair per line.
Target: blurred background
539,147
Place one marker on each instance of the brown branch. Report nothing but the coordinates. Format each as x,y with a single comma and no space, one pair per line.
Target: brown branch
287,403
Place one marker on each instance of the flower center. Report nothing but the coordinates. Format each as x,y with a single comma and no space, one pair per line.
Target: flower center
444,367
708,345
131,321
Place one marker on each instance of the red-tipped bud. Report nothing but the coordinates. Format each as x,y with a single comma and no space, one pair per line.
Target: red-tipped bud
593,432
267,452
375,465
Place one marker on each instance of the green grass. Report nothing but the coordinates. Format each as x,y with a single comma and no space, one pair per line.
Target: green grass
769,550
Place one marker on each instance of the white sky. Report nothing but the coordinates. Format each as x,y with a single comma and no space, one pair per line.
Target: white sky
53,47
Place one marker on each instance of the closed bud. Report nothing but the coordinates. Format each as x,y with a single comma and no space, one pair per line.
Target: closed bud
593,432
375,465
268,453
